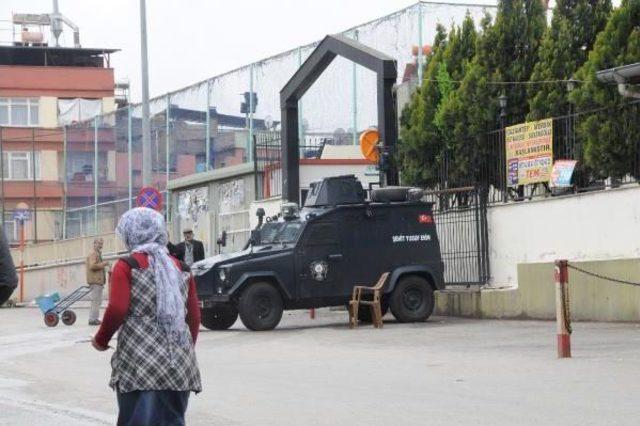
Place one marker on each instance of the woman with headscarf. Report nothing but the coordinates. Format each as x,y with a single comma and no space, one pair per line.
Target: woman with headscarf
154,306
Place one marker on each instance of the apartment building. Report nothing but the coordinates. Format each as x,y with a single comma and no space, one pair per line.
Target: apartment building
42,89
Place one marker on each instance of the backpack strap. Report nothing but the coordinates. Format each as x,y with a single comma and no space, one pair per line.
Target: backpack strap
131,261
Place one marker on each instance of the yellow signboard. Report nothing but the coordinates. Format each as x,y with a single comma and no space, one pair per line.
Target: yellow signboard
529,148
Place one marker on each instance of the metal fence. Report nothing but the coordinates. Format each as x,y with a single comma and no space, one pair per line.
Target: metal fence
90,170
461,222
486,168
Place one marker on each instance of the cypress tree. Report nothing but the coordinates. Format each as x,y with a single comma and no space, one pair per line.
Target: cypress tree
419,138
565,47
505,51
608,137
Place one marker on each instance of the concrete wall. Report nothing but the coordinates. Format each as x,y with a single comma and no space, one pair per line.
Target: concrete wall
595,226
49,165
271,206
317,171
108,104
65,250
591,299
237,227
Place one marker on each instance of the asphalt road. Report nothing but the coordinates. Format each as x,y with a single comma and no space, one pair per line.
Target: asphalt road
318,372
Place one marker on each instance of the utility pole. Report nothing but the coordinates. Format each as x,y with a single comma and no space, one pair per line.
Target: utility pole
146,125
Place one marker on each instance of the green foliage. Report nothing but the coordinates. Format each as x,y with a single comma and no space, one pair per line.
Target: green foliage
565,47
508,51
419,137
445,87
504,52
607,137
422,144
465,121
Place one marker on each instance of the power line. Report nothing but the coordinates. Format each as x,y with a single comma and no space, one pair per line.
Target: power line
504,83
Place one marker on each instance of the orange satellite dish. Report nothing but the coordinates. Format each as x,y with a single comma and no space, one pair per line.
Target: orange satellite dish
369,144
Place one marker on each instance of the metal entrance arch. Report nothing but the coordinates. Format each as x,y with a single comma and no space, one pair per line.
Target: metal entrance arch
331,46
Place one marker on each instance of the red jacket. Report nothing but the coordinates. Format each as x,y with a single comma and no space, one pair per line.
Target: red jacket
119,299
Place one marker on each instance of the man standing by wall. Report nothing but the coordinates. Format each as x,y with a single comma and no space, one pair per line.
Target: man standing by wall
96,278
190,250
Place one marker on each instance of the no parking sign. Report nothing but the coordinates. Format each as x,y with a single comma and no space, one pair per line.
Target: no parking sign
149,197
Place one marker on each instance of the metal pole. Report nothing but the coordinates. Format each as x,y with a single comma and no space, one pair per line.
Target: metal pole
420,42
21,222
146,125
167,142
354,98
300,128
207,139
167,157
130,154
251,106
2,176
563,315
35,195
64,182
95,175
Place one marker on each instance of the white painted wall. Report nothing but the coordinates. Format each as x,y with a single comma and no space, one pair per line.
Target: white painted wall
48,112
271,207
49,165
312,172
108,104
593,226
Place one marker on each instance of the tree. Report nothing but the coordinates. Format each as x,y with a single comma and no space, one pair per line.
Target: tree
466,119
505,51
422,148
419,138
565,47
609,149
509,51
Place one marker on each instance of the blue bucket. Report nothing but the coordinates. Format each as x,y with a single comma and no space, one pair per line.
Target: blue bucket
47,302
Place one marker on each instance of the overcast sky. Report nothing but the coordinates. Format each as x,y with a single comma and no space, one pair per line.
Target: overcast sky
191,40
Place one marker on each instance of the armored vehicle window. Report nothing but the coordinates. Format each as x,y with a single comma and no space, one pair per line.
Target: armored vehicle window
280,232
322,233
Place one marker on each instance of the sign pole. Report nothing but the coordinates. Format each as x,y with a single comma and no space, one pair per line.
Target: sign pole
563,319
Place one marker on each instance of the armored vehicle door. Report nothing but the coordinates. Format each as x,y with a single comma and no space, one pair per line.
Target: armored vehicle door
319,260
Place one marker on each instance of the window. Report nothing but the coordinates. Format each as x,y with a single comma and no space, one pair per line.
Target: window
19,112
80,166
18,165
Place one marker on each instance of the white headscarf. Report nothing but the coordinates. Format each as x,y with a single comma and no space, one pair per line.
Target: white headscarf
143,230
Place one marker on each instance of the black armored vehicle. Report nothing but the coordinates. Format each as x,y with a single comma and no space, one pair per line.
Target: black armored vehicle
312,257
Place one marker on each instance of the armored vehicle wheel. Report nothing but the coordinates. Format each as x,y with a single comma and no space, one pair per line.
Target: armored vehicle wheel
364,312
260,307
412,300
51,319
219,317
68,317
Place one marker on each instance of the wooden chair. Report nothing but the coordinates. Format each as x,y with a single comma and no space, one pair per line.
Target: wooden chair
374,303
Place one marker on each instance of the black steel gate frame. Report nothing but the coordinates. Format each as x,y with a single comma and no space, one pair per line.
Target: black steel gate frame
455,211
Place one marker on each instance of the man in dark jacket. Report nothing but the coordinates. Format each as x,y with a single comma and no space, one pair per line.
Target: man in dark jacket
8,277
190,250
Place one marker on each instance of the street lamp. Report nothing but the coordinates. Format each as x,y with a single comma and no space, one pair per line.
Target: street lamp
571,85
502,101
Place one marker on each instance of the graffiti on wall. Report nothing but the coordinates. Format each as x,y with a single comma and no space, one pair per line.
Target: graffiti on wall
193,204
232,196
